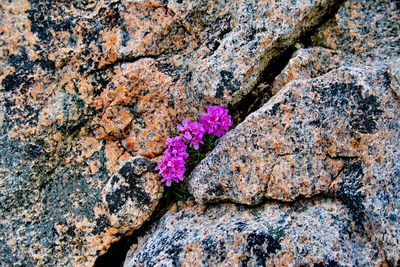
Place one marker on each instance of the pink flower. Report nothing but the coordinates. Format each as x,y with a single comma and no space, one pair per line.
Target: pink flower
171,169
192,132
216,121
176,148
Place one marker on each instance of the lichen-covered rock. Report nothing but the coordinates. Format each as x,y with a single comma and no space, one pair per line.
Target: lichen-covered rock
254,33
337,134
308,63
131,194
329,130
66,229
295,144
307,233
250,34
87,84
394,76
366,29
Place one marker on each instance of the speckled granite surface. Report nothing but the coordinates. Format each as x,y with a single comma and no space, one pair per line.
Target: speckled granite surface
333,141
365,29
91,88
335,135
316,232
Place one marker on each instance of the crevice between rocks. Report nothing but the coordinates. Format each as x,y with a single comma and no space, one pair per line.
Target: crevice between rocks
116,254
262,90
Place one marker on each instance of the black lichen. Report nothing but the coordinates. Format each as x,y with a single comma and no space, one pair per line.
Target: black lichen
262,245
228,82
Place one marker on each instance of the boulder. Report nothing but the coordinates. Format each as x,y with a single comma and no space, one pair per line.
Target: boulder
68,225
365,29
91,89
316,167
87,85
307,233
336,135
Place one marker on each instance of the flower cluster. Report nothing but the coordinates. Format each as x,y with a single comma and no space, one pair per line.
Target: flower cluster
192,132
172,166
216,121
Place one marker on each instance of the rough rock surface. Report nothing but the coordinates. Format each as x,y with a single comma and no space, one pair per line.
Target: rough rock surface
337,134
332,129
331,133
90,90
252,33
297,143
348,41
131,195
310,233
366,29
84,85
58,226
394,76
308,63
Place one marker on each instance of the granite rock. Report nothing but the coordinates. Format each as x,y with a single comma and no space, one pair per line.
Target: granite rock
336,135
327,143
68,235
131,194
394,76
88,86
308,63
365,29
309,233
295,144
85,85
250,35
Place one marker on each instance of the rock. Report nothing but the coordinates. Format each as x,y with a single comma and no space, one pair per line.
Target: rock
300,140
394,76
331,130
337,134
310,233
131,194
250,35
85,85
308,63
138,107
70,227
366,29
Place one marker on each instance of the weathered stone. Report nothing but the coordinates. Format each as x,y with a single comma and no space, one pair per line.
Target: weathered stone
129,198
308,63
87,84
253,33
292,146
336,134
138,107
394,76
307,233
131,194
366,29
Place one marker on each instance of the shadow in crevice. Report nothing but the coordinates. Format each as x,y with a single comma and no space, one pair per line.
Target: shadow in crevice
115,256
262,90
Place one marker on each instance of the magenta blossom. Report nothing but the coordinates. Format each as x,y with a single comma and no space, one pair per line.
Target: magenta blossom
176,148
216,121
171,169
192,132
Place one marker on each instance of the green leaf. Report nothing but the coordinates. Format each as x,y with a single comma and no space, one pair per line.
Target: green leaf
181,190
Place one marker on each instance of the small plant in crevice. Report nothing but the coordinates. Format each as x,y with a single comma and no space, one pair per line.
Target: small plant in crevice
184,152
